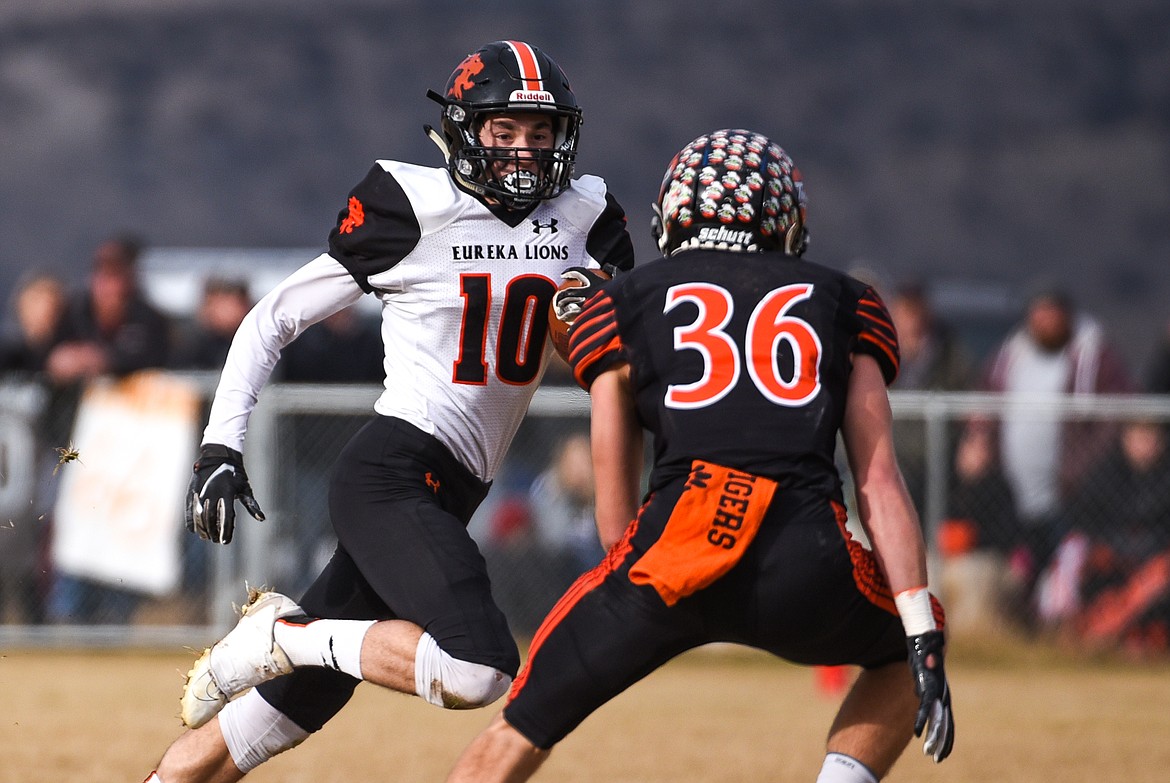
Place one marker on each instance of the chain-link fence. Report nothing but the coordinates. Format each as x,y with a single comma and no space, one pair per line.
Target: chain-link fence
1040,512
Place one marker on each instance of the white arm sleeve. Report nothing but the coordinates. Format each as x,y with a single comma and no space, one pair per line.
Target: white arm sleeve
317,290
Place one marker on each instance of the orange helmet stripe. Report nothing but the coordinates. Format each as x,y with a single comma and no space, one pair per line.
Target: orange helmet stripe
529,67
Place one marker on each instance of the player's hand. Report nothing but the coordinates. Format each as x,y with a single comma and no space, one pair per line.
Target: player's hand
567,302
218,482
934,695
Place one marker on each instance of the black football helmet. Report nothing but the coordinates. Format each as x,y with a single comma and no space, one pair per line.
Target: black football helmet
731,190
507,76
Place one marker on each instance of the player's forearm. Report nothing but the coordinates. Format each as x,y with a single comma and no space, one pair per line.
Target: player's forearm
617,455
618,478
884,505
891,523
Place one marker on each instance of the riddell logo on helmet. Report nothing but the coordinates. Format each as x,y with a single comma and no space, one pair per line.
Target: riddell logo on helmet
722,234
531,96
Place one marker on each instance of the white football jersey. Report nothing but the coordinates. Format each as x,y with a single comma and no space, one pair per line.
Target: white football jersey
465,290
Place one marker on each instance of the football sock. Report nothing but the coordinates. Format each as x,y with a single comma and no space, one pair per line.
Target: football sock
152,778
334,644
839,768
255,731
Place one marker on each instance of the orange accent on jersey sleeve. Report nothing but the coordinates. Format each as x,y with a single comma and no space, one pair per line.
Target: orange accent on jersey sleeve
877,320
867,574
593,336
355,218
883,347
589,360
584,584
878,330
711,527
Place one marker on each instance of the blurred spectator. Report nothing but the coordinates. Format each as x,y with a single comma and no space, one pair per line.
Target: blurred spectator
37,307
932,360
110,328
539,540
1158,376
975,540
1110,580
561,499
344,348
222,307
1044,456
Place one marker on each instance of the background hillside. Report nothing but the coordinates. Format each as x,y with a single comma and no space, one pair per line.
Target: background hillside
972,139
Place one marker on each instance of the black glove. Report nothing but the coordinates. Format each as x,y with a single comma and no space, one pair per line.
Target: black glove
934,695
567,302
219,480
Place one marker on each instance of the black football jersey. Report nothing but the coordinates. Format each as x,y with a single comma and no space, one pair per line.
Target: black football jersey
738,358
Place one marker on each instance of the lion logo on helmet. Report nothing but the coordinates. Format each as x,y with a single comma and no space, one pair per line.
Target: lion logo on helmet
461,81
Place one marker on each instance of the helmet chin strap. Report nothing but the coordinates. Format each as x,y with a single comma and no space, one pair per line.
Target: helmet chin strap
439,141
796,239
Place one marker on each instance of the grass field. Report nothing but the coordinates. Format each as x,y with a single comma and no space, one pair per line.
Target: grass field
713,715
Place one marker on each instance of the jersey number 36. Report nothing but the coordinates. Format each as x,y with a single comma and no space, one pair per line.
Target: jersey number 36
769,325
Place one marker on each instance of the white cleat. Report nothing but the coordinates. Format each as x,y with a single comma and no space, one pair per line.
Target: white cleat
246,657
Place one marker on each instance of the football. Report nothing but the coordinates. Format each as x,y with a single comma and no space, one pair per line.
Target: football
558,330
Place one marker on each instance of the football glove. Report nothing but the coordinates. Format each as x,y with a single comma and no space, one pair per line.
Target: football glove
568,302
218,482
934,695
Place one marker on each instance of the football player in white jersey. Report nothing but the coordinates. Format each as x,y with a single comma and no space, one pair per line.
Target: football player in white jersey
465,260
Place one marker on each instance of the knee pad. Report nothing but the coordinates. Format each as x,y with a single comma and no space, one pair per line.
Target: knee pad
255,731
454,684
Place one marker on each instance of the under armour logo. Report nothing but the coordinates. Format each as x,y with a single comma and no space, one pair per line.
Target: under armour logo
551,225
699,476
433,483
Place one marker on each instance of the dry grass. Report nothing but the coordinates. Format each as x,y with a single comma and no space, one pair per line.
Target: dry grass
1023,714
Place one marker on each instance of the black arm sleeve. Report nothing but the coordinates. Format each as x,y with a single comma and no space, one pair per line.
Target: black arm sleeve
609,241
376,230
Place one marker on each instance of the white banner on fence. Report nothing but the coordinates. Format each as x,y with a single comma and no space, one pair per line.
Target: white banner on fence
117,518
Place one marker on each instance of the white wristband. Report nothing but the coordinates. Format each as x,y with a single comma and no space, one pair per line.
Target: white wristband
915,610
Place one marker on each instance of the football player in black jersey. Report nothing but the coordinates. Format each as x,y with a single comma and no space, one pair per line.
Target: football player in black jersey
465,260
744,362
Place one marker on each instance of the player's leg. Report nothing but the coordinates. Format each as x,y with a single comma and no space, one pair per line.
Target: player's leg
394,654
282,712
245,734
873,726
573,667
197,756
603,635
823,601
499,754
400,503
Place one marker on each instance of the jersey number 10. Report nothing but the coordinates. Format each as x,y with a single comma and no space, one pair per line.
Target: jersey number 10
522,331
